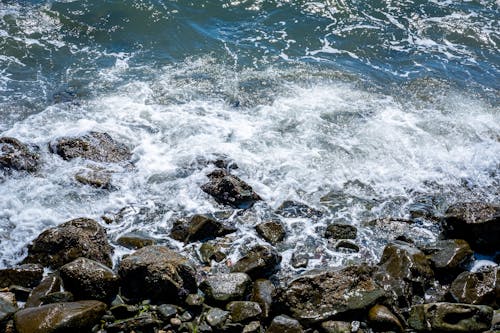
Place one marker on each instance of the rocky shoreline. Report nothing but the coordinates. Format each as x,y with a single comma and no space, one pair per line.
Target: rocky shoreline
67,282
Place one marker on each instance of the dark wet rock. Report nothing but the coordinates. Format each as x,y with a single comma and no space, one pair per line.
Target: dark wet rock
123,311
8,306
349,289
89,279
477,223
437,293
292,208
50,284
244,311
450,317
299,260
21,293
211,251
57,297
333,326
346,245
156,273
200,228
382,319
95,177
341,231
166,311
481,287
60,317
261,261
15,155
405,271
95,146
263,293
284,324
271,231
195,300
230,190
216,317
226,287
28,275
142,323
449,257
73,239
135,240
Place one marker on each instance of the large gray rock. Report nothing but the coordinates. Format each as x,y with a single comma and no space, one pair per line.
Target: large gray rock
261,261
230,190
95,146
481,287
226,287
28,276
448,256
89,279
60,317
477,223
157,273
15,155
284,324
73,239
450,317
318,296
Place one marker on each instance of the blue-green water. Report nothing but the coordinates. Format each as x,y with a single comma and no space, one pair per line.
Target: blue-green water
384,105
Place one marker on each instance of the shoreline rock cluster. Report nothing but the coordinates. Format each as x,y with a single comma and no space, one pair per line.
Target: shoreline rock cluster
413,288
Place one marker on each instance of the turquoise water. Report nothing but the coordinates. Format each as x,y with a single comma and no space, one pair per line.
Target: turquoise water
382,105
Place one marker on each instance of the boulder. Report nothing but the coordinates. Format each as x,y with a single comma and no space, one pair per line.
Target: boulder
260,262
28,276
89,279
15,155
73,239
482,287
230,190
199,228
263,293
50,284
299,260
318,296
382,319
8,306
450,317
271,231
477,223
341,231
211,251
292,208
135,240
405,271
60,317
284,324
95,146
449,256
226,287
244,311
156,273
95,177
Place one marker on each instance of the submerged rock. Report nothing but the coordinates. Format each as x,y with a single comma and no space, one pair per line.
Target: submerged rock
481,287
226,287
318,296
73,239
450,317
28,276
261,261
95,146
156,273
292,208
15,155
135,240
284,324
199,228
271,231
89,279
341,231
477,223
60,317
230,190
95,177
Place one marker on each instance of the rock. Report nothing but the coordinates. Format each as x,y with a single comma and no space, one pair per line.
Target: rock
60,317
448,257
230,190
350,289
95,177
252,327
299,260
477,223
450,317
495,322
243,311
8,306
166,311
263,292
21,293
89,279
135,240
261,261
292,208
216,317
157,273
211,251
57,297
405,271
142,323
50,284
15,155
345,245
28,276
336,327
382,319
200,228
73,239
284,324
195,300
123,311
481,287
271,231
95,146
341,231
226,287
